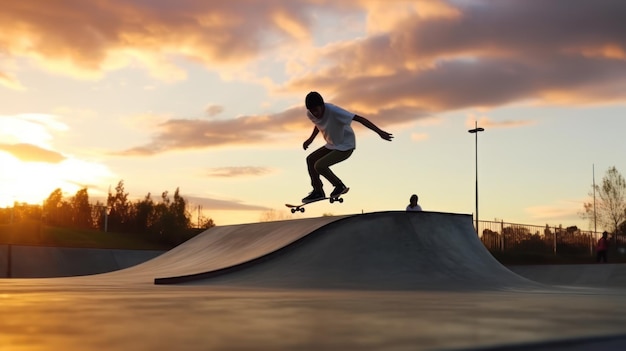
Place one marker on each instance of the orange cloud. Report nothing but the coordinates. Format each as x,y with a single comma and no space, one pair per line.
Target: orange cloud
414,58
383,16
561,212
610,51
479,56
213,110
230,172
87,38
183,134
419,137
180,134
487,122
224,205
32,153
10,82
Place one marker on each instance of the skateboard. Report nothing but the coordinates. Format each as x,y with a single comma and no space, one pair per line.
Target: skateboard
295,208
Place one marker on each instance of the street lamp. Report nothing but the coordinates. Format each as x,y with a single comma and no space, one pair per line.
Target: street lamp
475,131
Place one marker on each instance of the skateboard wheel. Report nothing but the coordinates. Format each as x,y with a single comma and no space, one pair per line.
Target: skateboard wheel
293,210
340,200
332,200
302,210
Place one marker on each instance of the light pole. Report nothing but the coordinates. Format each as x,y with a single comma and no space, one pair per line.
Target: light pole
105,210
475,131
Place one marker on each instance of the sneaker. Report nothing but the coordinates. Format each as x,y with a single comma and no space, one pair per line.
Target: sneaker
339,189
314,196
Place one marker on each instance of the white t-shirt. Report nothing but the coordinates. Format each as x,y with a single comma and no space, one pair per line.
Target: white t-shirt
416,208
335,127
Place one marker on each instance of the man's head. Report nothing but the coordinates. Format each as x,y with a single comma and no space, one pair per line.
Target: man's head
315,104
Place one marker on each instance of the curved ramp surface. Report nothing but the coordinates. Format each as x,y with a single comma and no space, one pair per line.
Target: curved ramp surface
218,248
378,251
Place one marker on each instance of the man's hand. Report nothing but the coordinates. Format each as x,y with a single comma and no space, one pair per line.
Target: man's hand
385,135
306,143
364,121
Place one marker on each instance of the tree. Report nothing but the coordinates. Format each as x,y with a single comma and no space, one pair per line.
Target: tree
52,207
119,217
179,212
98,215
610,206
168,221
273,215
81,210
205,222
144,214
172,220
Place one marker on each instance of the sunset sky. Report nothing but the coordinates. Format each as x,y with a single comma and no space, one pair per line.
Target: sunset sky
208,97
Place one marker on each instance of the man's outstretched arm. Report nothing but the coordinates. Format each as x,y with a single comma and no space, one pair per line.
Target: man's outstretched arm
364,121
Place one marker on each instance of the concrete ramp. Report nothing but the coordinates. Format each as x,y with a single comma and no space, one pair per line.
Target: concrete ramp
220,248
377,251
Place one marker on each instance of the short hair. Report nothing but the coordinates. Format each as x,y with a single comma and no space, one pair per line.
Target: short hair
313,99
414,196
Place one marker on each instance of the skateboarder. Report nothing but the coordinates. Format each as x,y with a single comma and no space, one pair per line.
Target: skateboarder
334,124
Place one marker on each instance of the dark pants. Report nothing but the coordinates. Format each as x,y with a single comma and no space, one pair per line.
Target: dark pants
601,256
318,163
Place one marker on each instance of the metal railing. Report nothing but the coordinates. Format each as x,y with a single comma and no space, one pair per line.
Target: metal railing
512,237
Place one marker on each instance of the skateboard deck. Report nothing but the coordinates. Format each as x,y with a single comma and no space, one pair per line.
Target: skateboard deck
295,208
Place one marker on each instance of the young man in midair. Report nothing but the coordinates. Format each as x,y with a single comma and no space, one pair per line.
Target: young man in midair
334,124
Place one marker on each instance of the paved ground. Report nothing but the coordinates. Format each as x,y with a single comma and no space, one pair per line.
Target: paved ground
592,275
391,281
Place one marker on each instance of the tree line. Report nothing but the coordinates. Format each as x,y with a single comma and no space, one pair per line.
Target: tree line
167,220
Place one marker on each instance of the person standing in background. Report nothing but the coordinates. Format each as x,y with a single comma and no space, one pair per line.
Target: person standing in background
602,248
413,205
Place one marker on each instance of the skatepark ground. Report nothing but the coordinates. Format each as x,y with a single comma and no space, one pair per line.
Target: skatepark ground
377,281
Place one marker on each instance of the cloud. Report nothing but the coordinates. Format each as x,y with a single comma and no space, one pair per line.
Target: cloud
10,82
36,129
486,122
383,16
223,205
232,172
85,39
32,153
184,134
562,212
433,54
413,59
491,54
181,134
213,110
417,137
